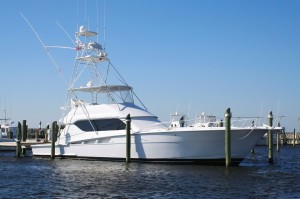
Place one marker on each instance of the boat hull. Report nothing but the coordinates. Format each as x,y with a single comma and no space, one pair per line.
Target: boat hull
203,146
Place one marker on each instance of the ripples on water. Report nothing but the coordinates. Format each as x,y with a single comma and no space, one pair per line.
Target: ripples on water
65,178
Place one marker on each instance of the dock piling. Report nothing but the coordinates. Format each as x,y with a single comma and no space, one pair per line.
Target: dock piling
270,138
128,138
278,132
24,131
294,138
36,135
227,138
23,151
54,137
19,137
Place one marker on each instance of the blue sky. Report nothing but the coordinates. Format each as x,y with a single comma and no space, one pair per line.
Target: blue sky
210,54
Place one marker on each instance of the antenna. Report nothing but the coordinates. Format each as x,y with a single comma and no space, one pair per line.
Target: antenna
65,33
9,106
177,108
45,48
299,122
85,12
104,26
261,107
278,112
97,28
188,115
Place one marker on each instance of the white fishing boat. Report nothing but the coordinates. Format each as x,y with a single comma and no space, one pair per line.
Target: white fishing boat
7,126
95,128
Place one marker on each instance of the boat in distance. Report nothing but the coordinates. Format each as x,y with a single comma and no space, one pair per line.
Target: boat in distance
96,128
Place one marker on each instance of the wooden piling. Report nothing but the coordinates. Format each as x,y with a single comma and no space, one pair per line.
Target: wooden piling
24,131
46,137
54,137
47,133
36,135
294,138
128,138
270,138
284,137
227,138
278,140
19,137
23,151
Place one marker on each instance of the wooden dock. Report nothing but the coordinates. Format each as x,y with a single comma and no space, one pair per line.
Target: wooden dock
289,138
9,145
284,139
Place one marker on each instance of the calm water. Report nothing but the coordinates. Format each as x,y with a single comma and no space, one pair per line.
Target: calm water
64,178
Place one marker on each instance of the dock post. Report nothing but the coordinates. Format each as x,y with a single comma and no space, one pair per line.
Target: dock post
47,134
294,138
36,135
24,131
54,137
227,138
19,137
284,137
23,151
278,139
128,138
270,138
46,137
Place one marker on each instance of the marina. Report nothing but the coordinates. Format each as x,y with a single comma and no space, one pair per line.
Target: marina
120,69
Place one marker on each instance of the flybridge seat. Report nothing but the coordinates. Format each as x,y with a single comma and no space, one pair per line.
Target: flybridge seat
103,89
95,46
90,46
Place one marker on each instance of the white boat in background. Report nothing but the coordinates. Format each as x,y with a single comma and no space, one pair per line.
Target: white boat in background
95,128
7,126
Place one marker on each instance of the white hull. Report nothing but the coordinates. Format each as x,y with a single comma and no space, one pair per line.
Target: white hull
177,145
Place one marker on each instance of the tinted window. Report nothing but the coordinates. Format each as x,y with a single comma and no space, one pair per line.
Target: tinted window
101,125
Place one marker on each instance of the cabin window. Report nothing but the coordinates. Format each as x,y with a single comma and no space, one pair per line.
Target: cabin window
101,125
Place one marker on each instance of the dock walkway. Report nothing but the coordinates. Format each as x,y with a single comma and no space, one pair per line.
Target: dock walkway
10,145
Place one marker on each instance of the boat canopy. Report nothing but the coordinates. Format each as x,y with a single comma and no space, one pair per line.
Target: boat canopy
91,58
103,89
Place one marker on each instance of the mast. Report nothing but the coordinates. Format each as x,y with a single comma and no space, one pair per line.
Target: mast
5,119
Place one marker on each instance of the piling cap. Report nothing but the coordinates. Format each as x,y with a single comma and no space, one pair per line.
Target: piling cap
228,113
128,117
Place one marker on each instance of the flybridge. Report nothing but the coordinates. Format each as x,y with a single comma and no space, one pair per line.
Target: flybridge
91,55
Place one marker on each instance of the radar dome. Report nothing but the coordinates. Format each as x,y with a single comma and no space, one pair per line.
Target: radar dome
89,84
82,29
